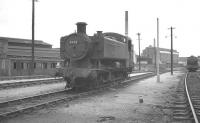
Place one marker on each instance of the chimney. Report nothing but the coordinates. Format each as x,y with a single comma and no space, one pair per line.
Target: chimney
126,23
81,27
99,32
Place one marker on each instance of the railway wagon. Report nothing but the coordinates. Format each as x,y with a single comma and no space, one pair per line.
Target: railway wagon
192,64
90,61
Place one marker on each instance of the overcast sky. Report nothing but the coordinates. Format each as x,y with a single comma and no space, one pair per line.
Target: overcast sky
56,18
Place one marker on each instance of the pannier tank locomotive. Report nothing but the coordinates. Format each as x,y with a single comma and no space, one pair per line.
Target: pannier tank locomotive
90,61
192,64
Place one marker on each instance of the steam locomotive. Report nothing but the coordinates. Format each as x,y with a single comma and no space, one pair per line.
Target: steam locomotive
90,61
192,64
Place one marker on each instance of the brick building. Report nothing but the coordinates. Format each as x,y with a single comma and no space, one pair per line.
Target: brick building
165,55
15,57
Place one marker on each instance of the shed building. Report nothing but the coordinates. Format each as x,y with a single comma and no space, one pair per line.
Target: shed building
15,57
165,55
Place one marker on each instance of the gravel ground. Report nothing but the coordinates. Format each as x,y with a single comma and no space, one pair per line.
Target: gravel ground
115,105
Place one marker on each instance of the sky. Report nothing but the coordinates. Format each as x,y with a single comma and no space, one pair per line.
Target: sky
57,18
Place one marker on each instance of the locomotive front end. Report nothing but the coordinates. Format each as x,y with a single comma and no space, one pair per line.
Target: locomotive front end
75,50
76,45
192,64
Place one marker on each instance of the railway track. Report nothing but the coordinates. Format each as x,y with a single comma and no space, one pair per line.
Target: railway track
14,107
28,82
187,105
2,78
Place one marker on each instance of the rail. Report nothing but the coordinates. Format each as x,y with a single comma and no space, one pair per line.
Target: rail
22,77
190,102
43,101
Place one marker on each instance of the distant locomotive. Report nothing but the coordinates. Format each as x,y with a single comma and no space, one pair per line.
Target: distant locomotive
192,64
90,61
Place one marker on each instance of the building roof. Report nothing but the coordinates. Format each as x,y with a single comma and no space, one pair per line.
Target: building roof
25,41
39,52
21,48
163,49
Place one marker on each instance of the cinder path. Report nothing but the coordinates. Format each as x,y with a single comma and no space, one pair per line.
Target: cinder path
116,105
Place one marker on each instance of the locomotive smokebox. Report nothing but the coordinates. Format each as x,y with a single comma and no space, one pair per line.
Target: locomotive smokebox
81,27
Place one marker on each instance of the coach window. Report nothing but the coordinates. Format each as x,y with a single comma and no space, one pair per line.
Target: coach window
14,65
53,65
27,65
3,64
34,65
22,65
45,65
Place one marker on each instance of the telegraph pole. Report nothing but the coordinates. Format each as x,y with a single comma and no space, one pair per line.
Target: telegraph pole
33,34
158,53
139,50
133,59
33,38
171,28
154,45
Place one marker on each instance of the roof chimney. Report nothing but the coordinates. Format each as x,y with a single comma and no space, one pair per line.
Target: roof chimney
81,27
126,23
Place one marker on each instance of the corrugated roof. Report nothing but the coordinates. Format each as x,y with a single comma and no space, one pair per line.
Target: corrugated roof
21,48
20,52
